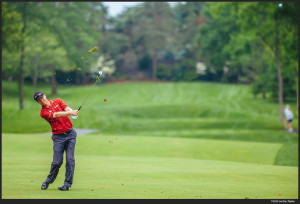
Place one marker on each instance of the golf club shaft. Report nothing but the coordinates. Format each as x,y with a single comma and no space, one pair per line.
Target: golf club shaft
87,96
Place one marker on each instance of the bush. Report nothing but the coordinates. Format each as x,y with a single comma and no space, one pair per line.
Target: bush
177,73
145,63
189,70
164,72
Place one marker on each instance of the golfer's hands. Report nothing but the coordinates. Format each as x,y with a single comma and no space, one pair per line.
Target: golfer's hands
74,112
65,113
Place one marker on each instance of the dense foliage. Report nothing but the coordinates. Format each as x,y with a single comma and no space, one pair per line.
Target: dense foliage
231,42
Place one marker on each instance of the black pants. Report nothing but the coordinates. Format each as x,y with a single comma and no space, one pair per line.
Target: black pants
61,143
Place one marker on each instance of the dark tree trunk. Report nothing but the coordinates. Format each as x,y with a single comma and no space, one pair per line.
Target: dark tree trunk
54,89
21,68
154,65
21,79
297,92
280,85
34,80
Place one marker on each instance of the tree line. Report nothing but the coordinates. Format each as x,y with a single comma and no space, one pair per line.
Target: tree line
228,42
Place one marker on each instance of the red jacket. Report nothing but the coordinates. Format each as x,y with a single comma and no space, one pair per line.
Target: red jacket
58,125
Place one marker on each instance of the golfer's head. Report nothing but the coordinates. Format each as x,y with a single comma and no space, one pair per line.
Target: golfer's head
40,97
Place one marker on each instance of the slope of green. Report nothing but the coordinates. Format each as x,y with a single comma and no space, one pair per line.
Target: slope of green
232,105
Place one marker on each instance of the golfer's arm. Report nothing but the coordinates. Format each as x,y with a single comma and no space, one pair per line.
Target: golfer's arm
68,109
61,114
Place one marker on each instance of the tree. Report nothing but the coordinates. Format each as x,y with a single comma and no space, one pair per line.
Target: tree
153,30
289,46
250,39
144,30
77,26
159,26
189,18
24,9
270,24
121,39
11,39
11,27
30,18
44,57
215,34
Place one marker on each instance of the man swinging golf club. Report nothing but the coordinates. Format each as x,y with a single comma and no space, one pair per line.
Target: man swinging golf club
56,112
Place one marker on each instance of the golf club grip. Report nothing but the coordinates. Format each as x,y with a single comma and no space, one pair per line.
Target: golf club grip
79,108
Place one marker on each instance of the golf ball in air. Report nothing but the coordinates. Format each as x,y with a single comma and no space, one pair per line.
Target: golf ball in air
280,5
100,73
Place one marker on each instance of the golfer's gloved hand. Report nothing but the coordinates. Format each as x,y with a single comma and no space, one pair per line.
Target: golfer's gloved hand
74,112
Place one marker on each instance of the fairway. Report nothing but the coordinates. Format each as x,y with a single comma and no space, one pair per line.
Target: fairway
154,140
150,167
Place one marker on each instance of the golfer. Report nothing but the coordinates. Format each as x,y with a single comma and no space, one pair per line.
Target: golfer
56,112
289,118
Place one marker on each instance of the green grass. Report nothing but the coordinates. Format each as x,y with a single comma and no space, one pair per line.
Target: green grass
149,167
154,140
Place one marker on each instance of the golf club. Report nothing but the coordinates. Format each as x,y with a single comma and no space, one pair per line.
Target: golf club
97,79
